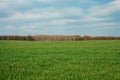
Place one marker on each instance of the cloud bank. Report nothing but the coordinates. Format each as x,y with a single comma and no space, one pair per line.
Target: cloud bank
80,17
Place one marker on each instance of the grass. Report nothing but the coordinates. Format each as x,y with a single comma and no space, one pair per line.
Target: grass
76,60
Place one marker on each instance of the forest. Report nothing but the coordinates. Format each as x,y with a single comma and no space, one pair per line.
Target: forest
56,37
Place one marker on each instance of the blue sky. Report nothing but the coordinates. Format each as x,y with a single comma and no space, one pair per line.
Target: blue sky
60,17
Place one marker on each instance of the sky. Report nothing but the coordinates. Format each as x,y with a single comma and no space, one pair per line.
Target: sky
60,17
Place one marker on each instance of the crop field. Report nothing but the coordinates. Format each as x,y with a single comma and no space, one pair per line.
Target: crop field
63,60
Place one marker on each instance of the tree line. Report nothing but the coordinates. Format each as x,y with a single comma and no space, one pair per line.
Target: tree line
57,38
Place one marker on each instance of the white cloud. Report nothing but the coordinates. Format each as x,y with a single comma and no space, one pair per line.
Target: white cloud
9,27
28,16
46,0
62,21
106,9
101,13
51,23
84,1
28,27
7,4
58,18
43,13
72,11
105,24
99,25
31,15
94,19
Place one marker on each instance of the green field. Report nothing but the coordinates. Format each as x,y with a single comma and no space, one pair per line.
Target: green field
72,60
